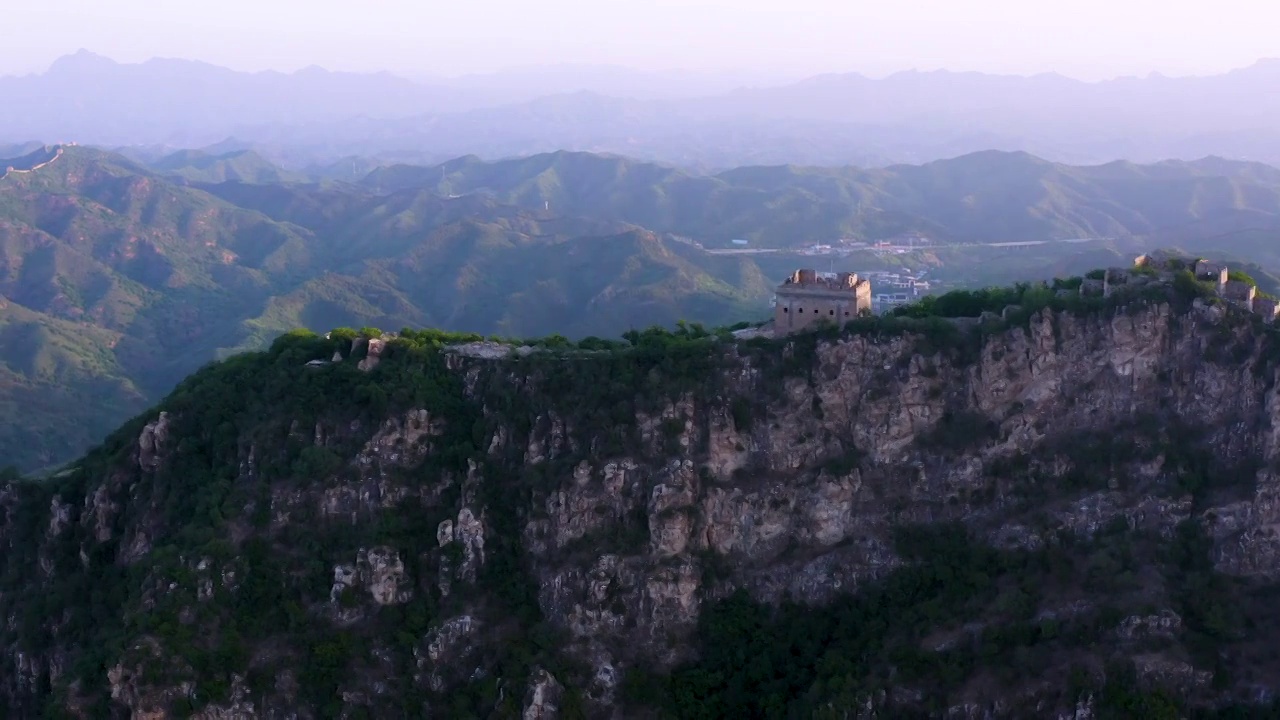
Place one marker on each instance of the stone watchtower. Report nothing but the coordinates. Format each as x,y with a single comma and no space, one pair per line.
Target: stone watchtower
806,299
1213,272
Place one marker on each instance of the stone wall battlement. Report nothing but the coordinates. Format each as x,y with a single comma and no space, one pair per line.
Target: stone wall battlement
57,153
1236,292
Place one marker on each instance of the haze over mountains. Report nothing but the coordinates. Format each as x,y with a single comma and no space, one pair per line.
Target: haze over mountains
315,116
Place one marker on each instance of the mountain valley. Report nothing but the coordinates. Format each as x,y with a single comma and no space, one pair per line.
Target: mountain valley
118,279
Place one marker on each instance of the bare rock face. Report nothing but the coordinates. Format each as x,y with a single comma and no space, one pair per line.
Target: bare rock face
151,442
785,485
728,449
447,649
593,502
59,516
463,542
469,533
344,576
399,442
374,354
670,524
99,512
1161,671
29,668
671,598
129,687
1140,627
598,601
382,572
541,701
378,571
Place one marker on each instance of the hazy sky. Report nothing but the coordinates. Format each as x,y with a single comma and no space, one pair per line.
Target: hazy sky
1083,38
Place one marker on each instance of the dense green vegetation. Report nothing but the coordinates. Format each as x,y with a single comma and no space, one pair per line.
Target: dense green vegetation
1018,302
959,612
119,280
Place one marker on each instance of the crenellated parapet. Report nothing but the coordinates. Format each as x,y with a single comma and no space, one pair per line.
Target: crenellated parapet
1239,293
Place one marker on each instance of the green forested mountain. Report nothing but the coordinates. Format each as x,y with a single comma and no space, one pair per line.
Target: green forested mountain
237,166
116,282
119,283
118,279
982,197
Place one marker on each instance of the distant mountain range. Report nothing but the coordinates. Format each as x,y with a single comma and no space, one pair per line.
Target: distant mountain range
316,117
982,197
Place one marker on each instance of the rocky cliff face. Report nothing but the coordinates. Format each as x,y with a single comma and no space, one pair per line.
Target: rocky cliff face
590,520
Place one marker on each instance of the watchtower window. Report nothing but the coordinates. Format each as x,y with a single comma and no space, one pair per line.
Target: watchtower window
786,309
799,310
846,313
831,312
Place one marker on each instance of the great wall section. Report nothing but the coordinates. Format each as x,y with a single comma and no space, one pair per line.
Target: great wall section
57,153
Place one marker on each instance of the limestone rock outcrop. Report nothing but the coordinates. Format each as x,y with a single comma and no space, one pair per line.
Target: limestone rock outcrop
416,541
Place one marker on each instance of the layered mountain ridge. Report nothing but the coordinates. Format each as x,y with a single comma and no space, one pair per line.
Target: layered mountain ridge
119,278
911,116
